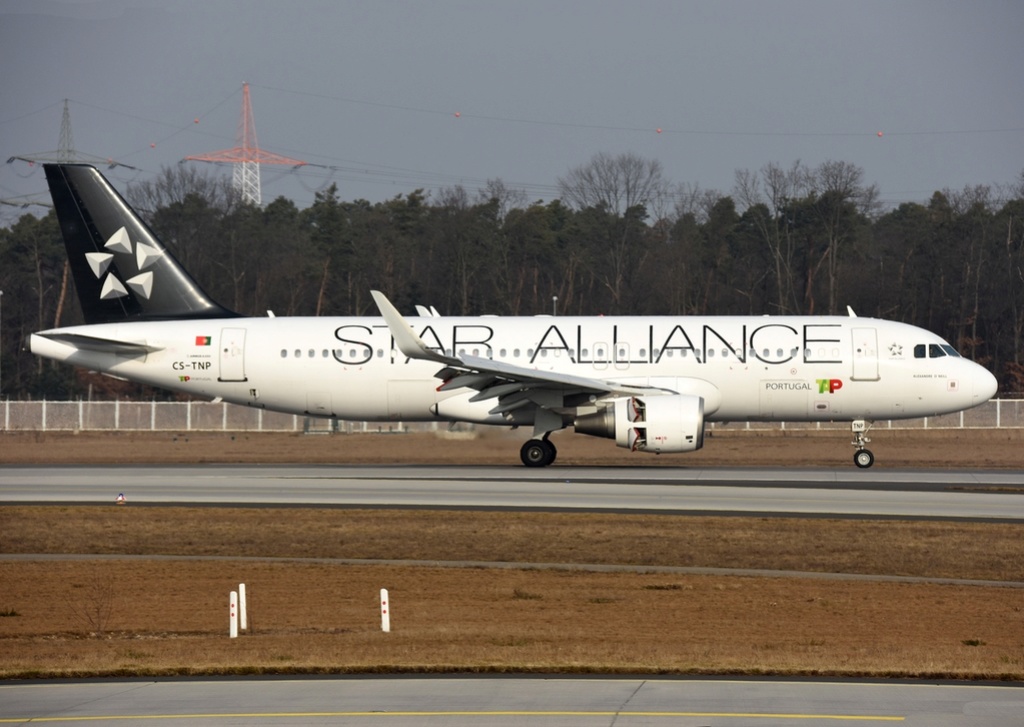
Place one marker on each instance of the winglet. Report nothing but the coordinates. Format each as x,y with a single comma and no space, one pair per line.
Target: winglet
405,337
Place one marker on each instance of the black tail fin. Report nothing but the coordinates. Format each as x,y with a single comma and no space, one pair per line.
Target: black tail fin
122,271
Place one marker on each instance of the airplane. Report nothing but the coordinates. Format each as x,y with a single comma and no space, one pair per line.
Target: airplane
651,384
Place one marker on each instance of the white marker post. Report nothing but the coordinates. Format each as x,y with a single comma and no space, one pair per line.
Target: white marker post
243,619
385,611
233,615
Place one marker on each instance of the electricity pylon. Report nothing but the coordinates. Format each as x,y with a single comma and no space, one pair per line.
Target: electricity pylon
246,156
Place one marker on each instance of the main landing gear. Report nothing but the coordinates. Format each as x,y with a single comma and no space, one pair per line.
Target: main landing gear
538,452
863,457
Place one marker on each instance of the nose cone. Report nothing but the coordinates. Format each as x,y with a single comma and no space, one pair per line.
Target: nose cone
985,384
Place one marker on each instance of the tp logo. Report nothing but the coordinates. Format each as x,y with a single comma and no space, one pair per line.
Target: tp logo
829,385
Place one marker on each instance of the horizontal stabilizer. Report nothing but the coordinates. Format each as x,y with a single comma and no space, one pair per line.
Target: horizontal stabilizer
102,345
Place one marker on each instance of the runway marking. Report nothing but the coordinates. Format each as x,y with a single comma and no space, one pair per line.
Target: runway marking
464,713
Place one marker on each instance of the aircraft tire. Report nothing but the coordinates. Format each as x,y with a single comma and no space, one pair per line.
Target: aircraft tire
863,458
538,453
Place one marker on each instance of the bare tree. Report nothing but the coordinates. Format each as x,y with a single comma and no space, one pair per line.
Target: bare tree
175,184
765,197
839,196
622,188
691,200
506,197
93,603
618,183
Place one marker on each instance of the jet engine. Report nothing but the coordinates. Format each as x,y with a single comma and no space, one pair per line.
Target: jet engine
665,423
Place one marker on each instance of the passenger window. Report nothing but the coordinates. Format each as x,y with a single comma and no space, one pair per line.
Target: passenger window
298,353
284,353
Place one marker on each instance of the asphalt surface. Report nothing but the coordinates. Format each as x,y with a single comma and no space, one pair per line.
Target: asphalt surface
499,701
976,495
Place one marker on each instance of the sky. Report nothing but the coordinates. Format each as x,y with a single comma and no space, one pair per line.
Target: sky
385,97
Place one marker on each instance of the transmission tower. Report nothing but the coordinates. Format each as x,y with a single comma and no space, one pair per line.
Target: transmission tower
246,156
64,154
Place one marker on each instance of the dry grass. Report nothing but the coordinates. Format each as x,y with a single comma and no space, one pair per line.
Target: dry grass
730,446
982,551
169,616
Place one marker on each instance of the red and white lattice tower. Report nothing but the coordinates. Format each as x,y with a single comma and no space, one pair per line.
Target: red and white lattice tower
247,155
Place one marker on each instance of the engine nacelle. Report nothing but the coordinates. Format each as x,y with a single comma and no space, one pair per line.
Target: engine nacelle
665,423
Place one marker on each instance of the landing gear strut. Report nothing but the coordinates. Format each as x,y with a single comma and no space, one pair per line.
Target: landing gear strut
863,457
538,452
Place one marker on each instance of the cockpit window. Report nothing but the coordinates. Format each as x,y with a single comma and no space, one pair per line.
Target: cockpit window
934,350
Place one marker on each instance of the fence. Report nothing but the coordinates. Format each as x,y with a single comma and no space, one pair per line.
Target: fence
194,416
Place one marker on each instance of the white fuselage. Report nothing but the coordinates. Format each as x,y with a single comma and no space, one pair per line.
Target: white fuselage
745,368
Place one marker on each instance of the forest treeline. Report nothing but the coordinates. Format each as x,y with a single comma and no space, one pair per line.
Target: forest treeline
620,239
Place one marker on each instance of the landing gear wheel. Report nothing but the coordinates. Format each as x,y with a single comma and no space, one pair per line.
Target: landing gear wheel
863,458
538,453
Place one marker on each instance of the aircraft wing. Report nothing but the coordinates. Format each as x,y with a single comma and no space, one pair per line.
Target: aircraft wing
514,387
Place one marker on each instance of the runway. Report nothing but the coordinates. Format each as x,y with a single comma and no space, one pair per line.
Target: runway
493,701
981,495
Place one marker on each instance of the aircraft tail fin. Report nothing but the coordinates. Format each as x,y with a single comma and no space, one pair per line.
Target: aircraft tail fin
122,271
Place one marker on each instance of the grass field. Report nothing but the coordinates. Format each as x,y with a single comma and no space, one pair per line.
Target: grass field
147,593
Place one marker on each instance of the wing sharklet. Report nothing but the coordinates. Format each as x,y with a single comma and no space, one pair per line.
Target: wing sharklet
405,337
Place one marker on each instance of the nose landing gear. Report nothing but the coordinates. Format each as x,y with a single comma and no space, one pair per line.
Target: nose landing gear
863,457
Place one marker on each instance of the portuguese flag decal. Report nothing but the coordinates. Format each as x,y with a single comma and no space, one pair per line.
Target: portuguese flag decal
203,340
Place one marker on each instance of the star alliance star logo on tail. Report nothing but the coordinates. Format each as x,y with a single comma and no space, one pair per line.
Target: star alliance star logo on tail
144,255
